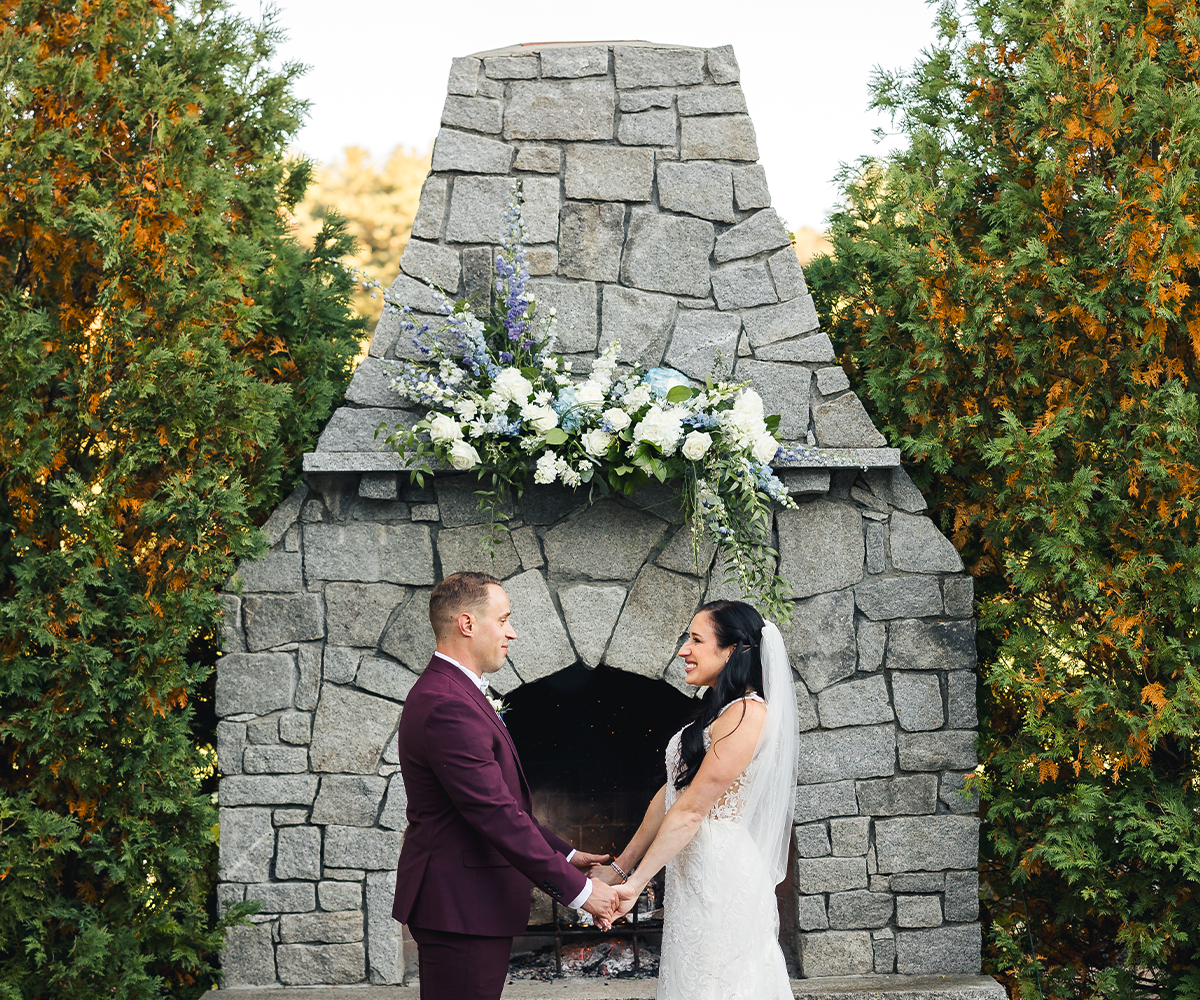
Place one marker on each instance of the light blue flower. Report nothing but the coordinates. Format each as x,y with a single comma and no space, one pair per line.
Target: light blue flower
662,380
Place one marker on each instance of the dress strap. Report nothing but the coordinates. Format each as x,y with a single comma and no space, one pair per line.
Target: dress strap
752,696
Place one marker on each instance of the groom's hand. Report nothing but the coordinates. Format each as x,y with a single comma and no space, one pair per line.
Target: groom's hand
586,862
602,904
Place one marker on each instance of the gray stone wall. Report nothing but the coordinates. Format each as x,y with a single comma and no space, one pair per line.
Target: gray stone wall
648,220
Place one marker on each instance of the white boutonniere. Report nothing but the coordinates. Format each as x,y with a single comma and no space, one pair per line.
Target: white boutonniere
497,704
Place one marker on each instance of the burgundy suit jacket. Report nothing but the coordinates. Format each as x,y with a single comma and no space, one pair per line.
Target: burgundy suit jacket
472,845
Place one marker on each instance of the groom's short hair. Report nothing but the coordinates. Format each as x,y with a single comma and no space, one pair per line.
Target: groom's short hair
457,593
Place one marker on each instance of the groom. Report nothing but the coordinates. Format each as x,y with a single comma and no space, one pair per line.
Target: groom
472,845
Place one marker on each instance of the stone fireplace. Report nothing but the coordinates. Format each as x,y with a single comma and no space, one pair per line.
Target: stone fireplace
649,219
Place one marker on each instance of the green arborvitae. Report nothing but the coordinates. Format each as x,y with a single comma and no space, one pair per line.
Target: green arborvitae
166,353
1017,292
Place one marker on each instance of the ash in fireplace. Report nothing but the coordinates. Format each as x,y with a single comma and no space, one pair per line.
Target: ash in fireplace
606,957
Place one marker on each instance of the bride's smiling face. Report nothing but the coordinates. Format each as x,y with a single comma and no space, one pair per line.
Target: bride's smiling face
703,658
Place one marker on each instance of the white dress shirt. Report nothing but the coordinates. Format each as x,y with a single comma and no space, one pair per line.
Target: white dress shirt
480,683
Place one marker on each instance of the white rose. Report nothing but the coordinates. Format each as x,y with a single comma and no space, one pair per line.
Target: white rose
463,456
596,443
512,385
660,429
696,444
635,399
444,428
540,418
765,448
618,418
589,393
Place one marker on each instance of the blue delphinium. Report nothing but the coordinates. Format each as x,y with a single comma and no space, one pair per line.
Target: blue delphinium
512,275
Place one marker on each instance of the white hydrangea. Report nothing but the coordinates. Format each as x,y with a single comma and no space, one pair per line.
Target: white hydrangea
661,428
545,472
744,423
540,418
589,393
466,409
636,398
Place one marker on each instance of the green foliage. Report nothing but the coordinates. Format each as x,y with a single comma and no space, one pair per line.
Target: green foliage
166,353
1018,288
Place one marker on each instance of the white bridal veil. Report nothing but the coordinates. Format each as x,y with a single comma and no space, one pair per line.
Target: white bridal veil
771,801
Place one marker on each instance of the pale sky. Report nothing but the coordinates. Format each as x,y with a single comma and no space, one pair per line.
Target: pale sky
378,69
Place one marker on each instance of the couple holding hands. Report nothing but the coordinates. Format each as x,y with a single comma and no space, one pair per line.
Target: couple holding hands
720,824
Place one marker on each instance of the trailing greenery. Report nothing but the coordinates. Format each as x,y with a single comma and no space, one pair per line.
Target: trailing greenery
166,353
1018,291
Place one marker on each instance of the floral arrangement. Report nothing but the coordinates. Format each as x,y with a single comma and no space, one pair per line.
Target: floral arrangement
499,401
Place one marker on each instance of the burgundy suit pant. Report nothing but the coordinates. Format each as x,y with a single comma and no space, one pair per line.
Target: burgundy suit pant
460,966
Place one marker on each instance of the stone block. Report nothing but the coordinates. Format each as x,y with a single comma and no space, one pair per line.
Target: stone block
704,343
914,794
914,843
647,128
918,698
885,952
479,114
572,61
542,647
283,897
511,67
331,928
646,66
701,189
378,485
431,211
960,691
918,882
268,790
836,953
579,110
591,613
949,749
959,594
817,875
656,611
940,951
789,278
750,187
850,837
950,792
641,321
477,205
371,386
358,847
254,682
504,681
528,546
643,99
357,613
609,542
394,815
275,620
844,423
898,597
832,380
918,546
275,760
609,173
478,276
263,730
855,703
859,908
459,505
712,101
348,800
248,958
433,263
298,853
321,964
802,482
918,911
806,712
278,572
765,325
835,798
539,159
247,844
821,546
962,895
233,639
341,664
385,964
723,64
350,729
334,896
718,137
575,310
464,76
810,913
590,239
740,287
915,645
762,231
385,678
687,554
369,553
667,253
876,546
295,727
872,643
409,638
854,752
477,549
811,840
425,512
542,260
289,817
896,487
231,741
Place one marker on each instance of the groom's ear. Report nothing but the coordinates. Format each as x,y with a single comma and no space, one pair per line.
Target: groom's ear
465,623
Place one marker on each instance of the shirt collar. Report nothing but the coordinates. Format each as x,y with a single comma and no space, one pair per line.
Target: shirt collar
479,682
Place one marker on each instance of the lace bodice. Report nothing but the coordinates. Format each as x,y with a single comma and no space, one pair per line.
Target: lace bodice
730,805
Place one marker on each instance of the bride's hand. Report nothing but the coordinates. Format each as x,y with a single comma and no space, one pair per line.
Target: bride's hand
627,896
606,874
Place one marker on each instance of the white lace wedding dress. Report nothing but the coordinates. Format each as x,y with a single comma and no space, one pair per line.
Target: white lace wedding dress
721,926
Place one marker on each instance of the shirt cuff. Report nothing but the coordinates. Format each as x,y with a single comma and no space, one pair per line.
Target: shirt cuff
572,854
583,897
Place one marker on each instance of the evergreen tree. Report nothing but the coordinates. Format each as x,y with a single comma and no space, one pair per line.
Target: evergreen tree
166,353
1017,291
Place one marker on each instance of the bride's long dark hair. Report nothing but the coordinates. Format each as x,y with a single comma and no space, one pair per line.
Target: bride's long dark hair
737,624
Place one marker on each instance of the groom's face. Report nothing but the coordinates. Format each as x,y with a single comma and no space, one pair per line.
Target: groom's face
493,632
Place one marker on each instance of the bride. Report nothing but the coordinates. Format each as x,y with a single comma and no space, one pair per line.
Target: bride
722,822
